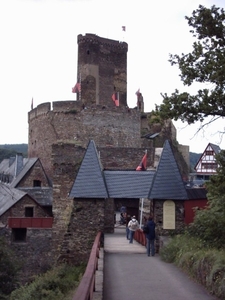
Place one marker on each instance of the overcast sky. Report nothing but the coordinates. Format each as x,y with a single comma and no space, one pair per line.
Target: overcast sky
38,55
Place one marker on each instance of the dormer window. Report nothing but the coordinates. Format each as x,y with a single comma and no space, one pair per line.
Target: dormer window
36,183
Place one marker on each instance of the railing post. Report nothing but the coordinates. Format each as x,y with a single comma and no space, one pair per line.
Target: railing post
87,284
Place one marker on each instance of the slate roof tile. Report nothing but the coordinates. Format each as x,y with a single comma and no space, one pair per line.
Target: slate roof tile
129,184
168,183
8,197
89,182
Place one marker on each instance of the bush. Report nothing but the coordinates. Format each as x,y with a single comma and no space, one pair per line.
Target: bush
9,267
53,285
173,251
206,265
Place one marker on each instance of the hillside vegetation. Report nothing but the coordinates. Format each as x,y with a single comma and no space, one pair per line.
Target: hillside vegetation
9,150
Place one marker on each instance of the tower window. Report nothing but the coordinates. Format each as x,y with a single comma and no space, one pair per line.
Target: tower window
36,183
88,52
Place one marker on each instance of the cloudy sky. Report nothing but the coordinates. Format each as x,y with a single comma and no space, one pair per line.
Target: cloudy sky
38,55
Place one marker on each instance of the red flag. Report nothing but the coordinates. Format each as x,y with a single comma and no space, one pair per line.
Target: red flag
143,164
115,98
76,88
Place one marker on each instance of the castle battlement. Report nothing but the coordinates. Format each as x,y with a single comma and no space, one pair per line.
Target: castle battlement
74,107
95,39
57,106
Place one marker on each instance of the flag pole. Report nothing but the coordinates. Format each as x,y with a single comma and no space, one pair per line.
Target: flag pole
32,103
142,201
80,87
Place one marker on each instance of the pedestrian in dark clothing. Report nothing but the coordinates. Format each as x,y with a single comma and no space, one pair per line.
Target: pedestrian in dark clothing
151,237
128,218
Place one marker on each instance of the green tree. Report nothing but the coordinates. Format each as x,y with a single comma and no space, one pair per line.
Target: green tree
209,224
205,64
9,267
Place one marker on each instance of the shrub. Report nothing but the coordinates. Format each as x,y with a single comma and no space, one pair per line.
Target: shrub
173,251
53,285
9,267
205,264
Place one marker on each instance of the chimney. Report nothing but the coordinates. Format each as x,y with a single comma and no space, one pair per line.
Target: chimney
19,163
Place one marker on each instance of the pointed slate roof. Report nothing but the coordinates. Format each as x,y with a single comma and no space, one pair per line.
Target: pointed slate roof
89,182
215,148
168,183
9,197
129,184
27,166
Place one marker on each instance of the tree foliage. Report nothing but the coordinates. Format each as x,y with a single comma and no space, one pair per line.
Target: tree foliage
205,64
209,224
10,150
9,267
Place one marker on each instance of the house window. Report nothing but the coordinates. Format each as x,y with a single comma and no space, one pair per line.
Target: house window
29,211
209,152
36,183
211,166
19,234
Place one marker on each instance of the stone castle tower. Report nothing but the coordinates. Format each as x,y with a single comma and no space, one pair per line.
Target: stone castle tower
102,70
59,132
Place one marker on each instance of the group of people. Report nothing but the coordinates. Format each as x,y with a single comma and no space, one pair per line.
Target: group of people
133,225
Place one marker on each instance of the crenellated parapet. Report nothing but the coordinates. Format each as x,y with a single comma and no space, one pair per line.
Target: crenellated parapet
95,39
73,122
57,106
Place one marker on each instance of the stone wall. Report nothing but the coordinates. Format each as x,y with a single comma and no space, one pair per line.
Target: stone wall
113,127
66,160
124,158
35,173
102,67
109,216
87,219
34,254
158,217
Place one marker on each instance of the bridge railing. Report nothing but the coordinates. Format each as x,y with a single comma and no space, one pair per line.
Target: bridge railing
139,236
86,286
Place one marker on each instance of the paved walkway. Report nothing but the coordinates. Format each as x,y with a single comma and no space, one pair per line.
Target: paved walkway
129,274
117,243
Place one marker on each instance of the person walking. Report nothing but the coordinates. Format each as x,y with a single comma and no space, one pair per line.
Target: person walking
128,218
150,237
133,225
